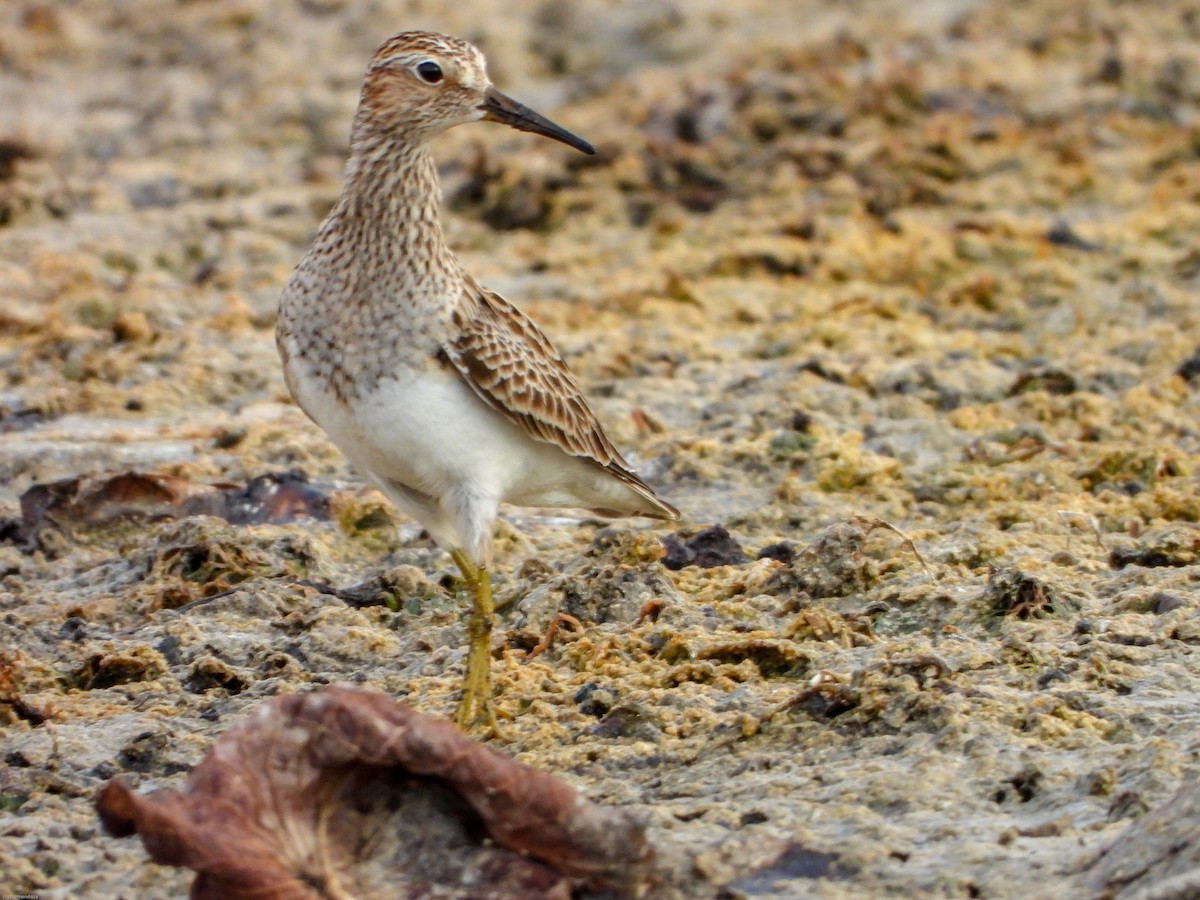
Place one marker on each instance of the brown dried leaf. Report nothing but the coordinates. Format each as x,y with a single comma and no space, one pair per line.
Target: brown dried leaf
88,502
345,792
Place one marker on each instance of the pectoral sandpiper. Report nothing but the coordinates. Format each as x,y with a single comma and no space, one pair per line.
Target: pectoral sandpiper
444,394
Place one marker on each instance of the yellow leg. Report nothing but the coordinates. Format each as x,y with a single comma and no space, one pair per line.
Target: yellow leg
476,708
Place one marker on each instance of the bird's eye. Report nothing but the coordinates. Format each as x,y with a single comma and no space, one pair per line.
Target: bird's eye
430,72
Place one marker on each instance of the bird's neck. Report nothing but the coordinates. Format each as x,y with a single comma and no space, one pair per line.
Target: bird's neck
391,204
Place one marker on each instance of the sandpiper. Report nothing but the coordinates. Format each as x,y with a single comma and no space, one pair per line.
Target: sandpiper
441,392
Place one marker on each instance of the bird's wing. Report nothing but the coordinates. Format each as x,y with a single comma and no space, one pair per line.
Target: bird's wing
515,369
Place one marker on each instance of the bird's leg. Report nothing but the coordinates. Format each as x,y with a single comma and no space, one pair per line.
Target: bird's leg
476,704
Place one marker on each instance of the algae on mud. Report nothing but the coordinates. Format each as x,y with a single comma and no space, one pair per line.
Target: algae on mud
932,263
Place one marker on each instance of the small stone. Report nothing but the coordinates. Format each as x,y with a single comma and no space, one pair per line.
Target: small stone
1162,602
132,327
783,552
712,547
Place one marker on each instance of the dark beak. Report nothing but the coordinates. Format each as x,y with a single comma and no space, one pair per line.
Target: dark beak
499,108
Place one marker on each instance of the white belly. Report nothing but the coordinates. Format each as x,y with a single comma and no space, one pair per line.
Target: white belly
434,435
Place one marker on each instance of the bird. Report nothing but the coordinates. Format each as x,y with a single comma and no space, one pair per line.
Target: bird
440,392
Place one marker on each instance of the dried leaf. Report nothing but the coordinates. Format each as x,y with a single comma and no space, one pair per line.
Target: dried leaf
345,792
91,501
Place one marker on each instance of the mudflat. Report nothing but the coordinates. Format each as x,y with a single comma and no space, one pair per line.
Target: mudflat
896,301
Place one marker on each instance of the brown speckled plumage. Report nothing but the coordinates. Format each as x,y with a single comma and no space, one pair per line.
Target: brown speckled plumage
448,397
513,367
379,266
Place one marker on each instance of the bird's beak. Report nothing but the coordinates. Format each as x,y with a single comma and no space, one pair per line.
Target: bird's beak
499,108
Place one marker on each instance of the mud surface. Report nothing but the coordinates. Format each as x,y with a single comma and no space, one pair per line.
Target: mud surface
836,267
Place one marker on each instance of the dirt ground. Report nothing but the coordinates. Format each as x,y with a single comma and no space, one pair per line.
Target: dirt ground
902,296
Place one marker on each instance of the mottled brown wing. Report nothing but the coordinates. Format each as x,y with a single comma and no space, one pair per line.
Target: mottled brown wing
515,369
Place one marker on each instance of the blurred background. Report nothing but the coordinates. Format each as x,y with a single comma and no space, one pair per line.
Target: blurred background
163,164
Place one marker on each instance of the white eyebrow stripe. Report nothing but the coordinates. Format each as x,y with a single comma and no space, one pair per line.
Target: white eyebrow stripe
407,58
470,73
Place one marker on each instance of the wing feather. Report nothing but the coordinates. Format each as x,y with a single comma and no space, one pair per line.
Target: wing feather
514,368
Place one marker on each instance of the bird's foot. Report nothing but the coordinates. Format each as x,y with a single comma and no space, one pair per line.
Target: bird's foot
476,709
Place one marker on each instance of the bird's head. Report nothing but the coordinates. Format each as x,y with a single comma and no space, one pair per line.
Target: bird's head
420,84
